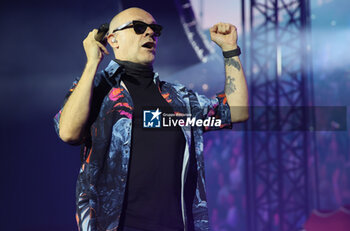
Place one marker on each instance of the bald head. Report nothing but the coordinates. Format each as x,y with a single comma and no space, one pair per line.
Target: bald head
127,44
128,15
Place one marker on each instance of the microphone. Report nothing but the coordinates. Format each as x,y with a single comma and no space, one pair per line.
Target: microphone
101,34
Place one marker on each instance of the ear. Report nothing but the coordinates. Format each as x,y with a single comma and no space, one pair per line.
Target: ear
112,40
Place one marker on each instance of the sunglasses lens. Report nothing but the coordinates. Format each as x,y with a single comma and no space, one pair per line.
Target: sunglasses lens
140,28
156,28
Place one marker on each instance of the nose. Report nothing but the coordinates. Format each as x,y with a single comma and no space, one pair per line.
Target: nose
149,32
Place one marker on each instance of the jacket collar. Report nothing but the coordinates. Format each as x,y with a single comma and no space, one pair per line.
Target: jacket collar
113,70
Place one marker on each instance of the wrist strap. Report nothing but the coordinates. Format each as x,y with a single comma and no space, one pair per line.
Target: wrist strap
232,53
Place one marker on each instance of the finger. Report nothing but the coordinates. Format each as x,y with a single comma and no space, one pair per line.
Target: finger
92,34
221,28
234,28
103,48
94,31
227,28
224,28
214,28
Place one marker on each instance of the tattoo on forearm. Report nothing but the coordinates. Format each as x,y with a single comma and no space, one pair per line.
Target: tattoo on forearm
232,62
230,87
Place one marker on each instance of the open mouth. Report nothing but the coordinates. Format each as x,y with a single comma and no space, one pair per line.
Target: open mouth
149,45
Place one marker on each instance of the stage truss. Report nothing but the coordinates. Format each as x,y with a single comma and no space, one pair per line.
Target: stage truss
279,146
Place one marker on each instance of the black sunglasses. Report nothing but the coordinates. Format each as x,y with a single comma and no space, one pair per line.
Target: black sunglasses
140,27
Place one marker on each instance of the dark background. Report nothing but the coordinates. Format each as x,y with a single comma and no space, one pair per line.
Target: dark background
41,53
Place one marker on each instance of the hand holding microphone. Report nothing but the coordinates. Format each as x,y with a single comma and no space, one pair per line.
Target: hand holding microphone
101,34
94,44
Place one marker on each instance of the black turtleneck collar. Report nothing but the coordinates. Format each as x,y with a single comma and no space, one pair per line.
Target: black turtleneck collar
136,69
136,75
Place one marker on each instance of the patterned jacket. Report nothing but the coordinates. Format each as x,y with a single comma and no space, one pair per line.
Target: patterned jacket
105,151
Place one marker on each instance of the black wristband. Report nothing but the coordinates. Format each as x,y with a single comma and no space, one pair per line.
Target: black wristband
232,53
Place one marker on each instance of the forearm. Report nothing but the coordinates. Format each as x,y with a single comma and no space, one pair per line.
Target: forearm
76,111
236,89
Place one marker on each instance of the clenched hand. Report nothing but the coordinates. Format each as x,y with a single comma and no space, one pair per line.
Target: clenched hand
224,35
94,50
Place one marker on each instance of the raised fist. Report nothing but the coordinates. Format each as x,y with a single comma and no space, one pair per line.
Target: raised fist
224,35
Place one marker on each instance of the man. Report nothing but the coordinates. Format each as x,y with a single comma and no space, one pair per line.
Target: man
132,178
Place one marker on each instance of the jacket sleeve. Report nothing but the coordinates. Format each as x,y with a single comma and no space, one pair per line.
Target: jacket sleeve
57,117
98,82
217,108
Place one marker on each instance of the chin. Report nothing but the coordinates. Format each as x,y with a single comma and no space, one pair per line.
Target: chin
148,60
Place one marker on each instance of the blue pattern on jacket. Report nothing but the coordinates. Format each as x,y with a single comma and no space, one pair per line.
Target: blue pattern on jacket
106,150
